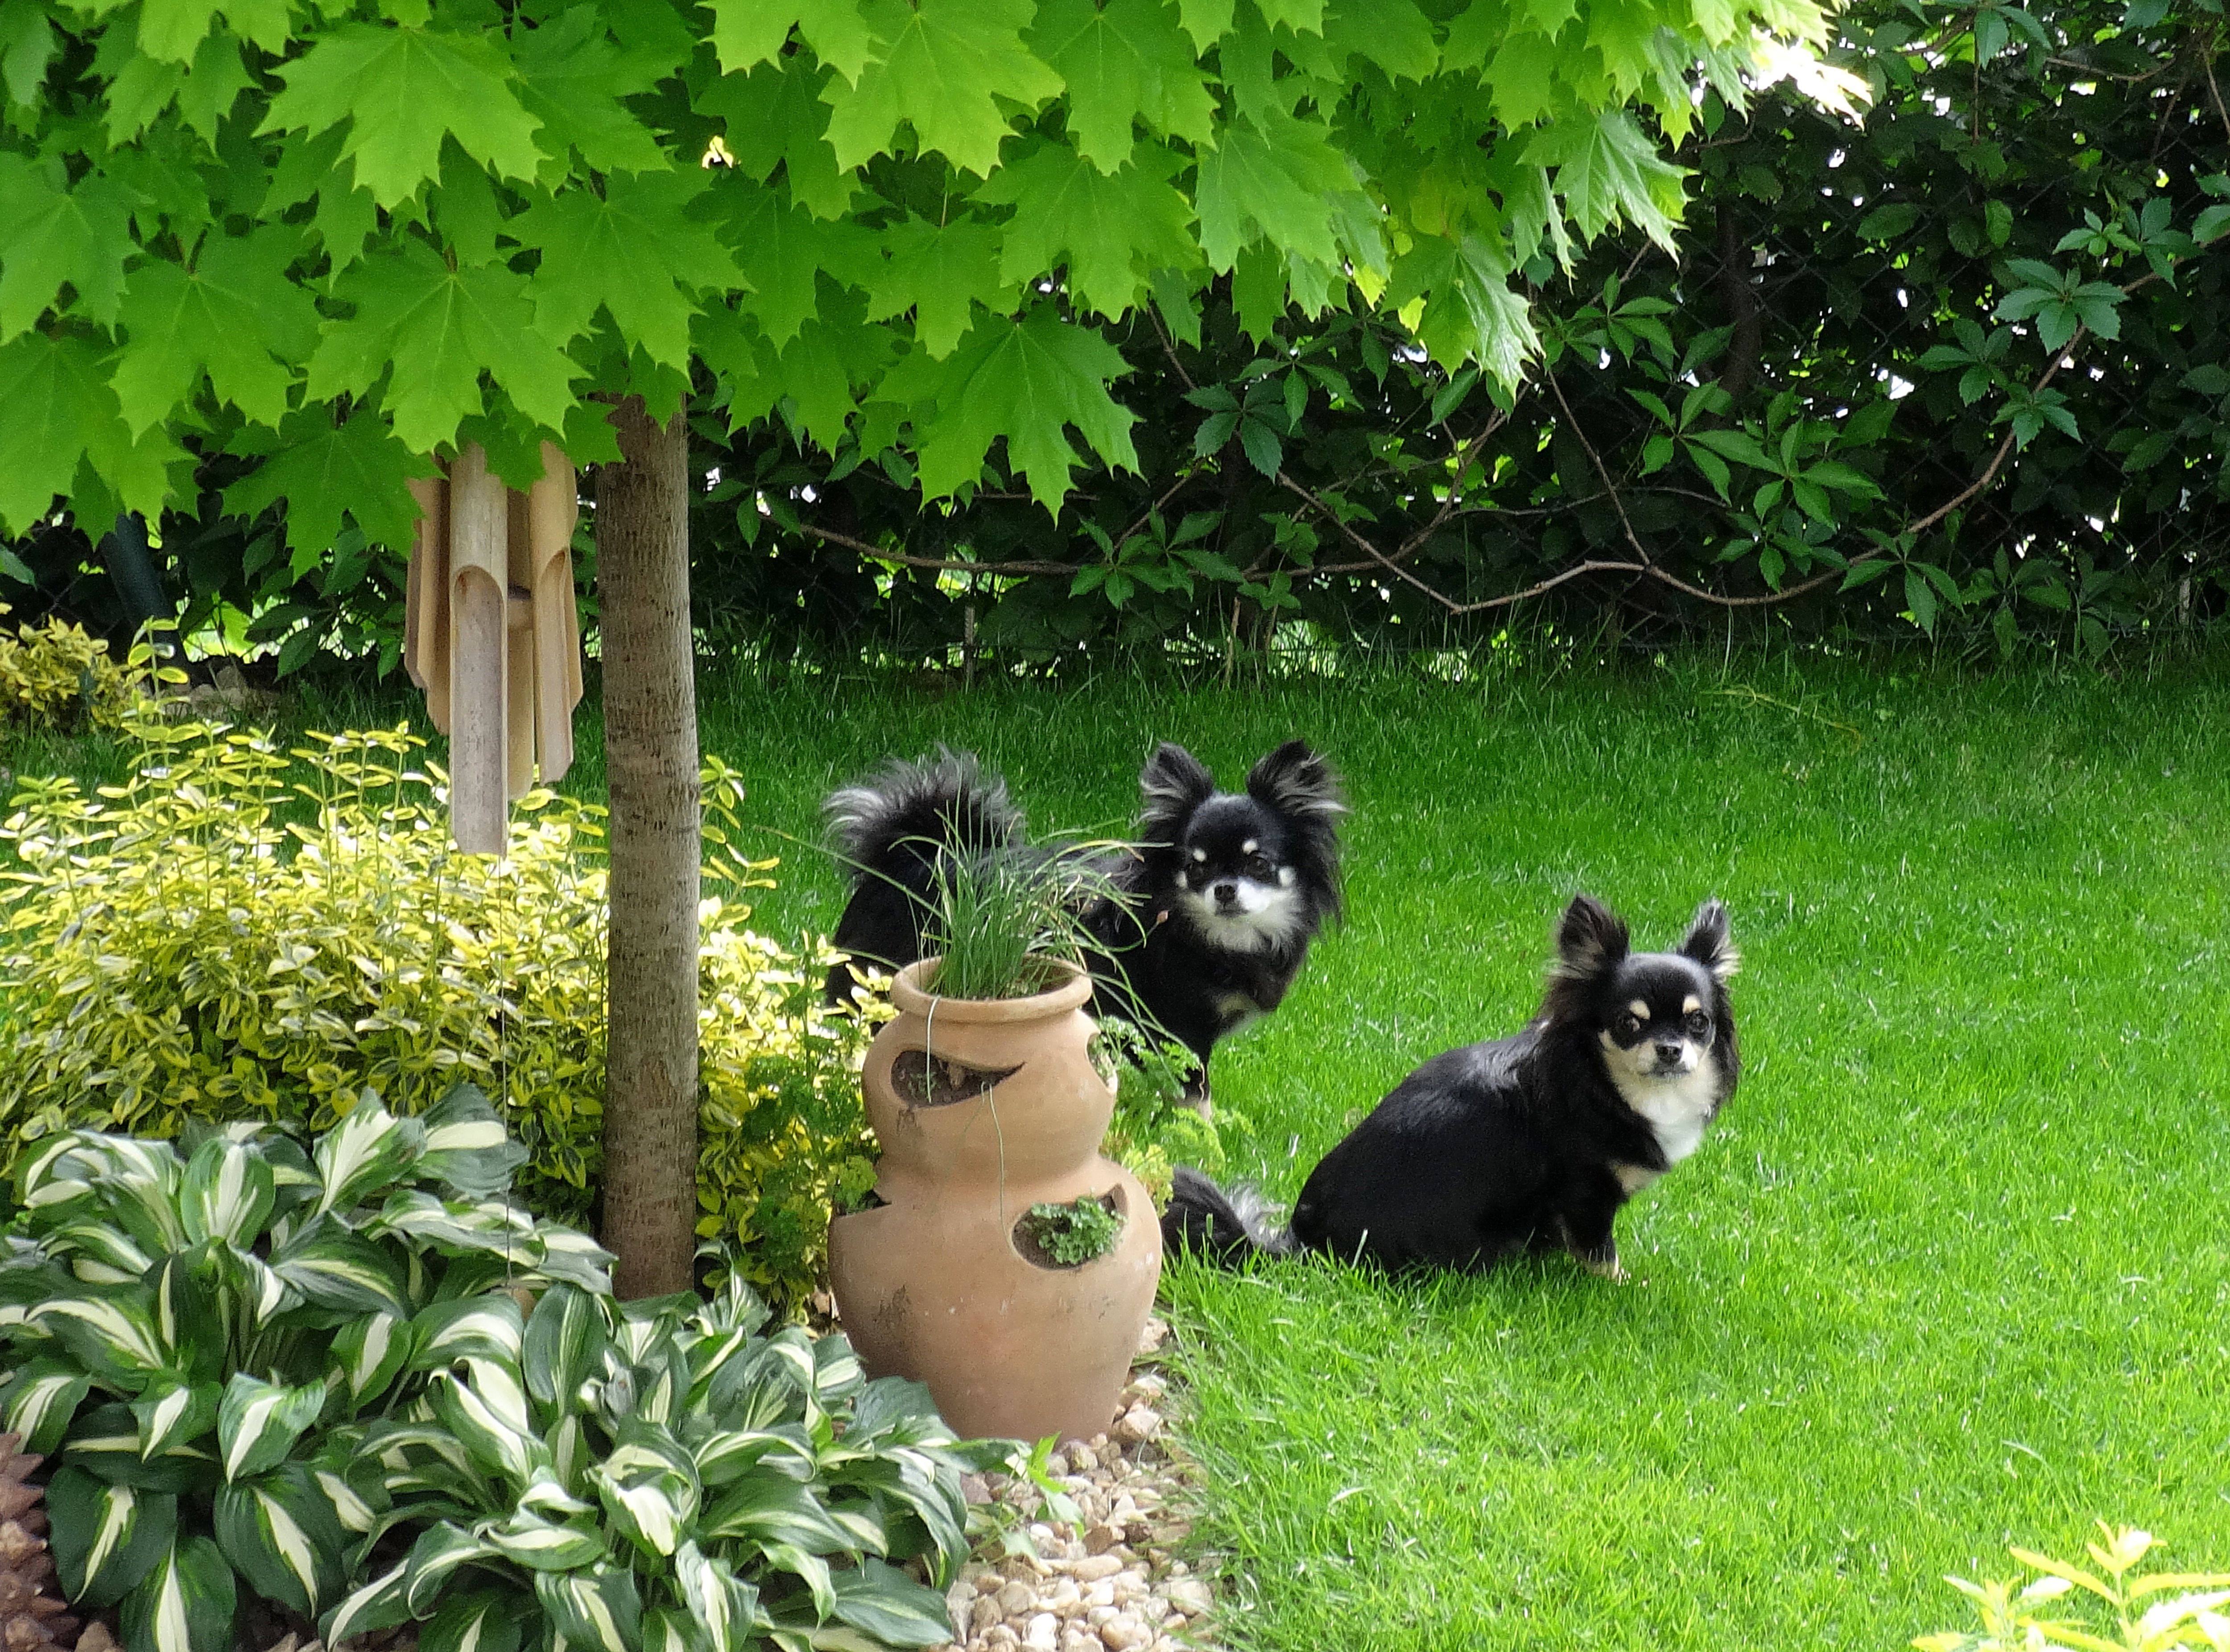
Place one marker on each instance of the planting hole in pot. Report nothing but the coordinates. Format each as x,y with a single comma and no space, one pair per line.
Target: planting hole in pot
1070,1236
923,1080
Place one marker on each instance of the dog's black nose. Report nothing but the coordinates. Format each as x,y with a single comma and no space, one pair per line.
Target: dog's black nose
1226,893
1668,1055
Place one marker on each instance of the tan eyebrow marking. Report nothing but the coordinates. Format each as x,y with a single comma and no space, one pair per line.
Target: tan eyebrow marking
1640,1009
1692,1005
1249,846
1200,854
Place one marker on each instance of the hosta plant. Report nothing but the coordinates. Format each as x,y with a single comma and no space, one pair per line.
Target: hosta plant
2071,1608
657,1477
203,1333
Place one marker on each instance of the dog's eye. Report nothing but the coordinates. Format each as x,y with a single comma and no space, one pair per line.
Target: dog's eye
1698,1023
1628,1025
1260,866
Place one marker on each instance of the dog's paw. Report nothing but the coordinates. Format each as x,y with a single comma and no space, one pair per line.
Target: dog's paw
1608,1267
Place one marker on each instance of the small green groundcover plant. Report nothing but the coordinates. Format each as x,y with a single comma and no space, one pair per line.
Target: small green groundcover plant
239,932
1073,1234
308,1380
2071,1608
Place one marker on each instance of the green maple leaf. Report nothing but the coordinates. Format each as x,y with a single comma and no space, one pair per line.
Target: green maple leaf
1393,34
940,271
27,46
169,30
1469,313
213,85
403,91
56,236
783,252
1278,184
1608,171
1126,63
637,254
572,78
1302,16
947,65
1522,78
774,117
1206,20
56,410
440,330
1026,380
235,316
1116,230
323,471
746,32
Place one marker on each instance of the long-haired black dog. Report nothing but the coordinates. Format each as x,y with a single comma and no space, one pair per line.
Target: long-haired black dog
1531,1141
1211,913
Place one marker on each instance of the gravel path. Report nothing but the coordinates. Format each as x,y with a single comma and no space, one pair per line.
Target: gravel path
1109,1581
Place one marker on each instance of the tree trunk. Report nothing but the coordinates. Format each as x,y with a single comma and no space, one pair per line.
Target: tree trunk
650,754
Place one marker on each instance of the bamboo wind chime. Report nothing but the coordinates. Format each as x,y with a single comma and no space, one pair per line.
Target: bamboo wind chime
492,636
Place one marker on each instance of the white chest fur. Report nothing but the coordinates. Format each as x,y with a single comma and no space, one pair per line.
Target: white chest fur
1678,1107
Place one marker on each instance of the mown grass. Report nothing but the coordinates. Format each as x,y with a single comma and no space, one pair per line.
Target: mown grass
1952,1272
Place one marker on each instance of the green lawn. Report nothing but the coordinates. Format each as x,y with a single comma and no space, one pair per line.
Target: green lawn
1952,1273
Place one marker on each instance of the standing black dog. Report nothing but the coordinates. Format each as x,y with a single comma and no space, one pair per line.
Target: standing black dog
1212,913
1531,1141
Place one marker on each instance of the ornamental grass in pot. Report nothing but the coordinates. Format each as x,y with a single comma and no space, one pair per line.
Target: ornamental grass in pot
1009,1265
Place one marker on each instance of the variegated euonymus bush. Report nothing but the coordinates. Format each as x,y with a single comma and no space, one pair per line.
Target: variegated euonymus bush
241,931
205,1333
656,1477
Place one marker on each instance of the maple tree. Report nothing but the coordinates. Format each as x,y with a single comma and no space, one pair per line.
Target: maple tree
312,249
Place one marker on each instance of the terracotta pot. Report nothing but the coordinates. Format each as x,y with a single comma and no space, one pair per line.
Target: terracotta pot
985,1108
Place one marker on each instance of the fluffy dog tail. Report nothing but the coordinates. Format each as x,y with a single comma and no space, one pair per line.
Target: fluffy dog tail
1225,1228
891,829
908,812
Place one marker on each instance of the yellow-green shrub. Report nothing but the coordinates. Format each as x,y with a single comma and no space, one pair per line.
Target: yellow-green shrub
52,673
238,932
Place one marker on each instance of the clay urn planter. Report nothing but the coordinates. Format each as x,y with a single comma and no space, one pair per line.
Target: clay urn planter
985,1106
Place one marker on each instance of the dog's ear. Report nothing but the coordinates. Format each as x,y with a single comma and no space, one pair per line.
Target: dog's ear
1172,785
1590,938
1708,943
1295,781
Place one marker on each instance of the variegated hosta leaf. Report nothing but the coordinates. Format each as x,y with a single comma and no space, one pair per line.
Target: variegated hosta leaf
665,1629
336,1268
184,1604
402,1447
39,1401
106,1440
467,1145
597,1609
734,1306
724,1606
49,1175
228,1193
811,1570
480,1327
258,1422
278,1532
135,1183
113,1333
660,1385
378,1605
770,1384
574,1258
494,1443
836,1373
175,1413
435,1557
367,1152
351,1508
104,1538
564,1344
727,1454
189,1317
546,1495
370,1353
896,1409
482,1621
457,1226
891,1607
497,1382
100,1252
649,1487
543,1545
771,1509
